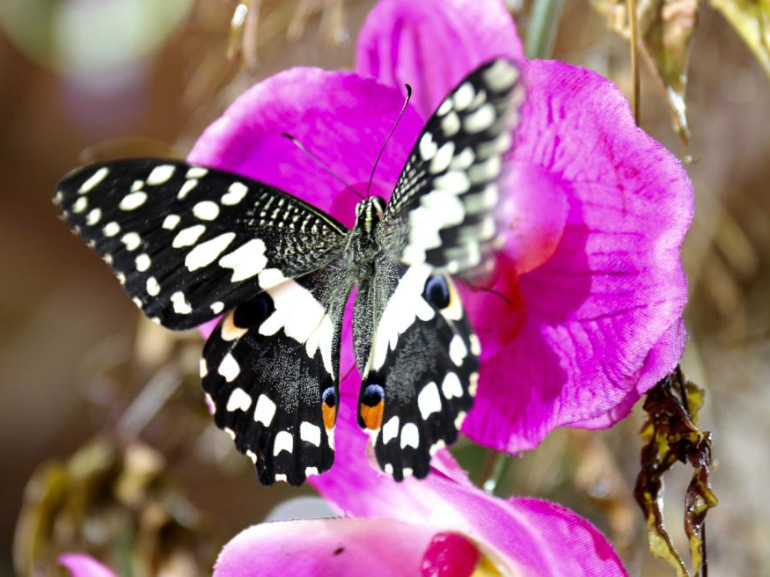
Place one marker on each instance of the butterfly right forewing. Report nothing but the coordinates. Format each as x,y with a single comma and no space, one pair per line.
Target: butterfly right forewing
445,207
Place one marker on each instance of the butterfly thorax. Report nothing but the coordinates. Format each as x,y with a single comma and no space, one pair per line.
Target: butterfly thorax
362,244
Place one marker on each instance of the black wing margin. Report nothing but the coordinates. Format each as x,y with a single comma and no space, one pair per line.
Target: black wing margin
444,209
188,243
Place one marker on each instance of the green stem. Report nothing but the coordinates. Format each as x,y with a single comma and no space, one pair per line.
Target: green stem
543,24
500,466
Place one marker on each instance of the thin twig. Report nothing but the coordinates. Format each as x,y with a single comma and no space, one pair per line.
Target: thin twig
634,27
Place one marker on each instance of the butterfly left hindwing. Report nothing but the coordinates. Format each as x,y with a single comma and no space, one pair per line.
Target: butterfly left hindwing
271,373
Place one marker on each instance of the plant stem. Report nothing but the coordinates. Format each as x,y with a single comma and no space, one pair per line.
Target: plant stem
543,24
634,42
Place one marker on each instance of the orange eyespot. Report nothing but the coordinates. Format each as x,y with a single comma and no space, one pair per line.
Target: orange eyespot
372,416
330,416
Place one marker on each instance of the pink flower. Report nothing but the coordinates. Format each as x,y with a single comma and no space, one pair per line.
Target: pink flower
591,271
438,527
592,265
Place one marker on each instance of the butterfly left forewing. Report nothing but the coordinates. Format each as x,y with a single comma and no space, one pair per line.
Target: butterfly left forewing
420,370
271,373
187,242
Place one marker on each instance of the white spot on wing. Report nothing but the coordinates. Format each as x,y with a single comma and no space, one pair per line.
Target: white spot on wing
450,124
152,286
133,200
245,261
131,240
111,229
283,442
206,210
457,350
94,180
142,262
427,147
239,400
390,430
443,157
445,107
501,75
235,193
480,120
451,386
410,436
181,306
264,411
80,204
463,96
217,307
429,400
94,216
196,172
171,221
160,174
475,344
188,236
229,368
186,188
207,252
310,433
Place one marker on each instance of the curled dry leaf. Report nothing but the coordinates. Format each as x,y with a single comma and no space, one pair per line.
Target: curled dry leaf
751,19
672,435
666,29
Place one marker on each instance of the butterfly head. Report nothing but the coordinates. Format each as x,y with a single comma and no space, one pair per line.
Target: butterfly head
369,213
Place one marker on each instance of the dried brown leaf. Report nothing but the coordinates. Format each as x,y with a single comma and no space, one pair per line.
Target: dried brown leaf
672,435
751,19
665,32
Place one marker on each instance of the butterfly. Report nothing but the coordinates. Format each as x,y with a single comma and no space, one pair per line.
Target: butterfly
191,243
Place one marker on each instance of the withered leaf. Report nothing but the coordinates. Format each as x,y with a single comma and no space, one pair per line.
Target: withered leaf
751,19
672,435
665,31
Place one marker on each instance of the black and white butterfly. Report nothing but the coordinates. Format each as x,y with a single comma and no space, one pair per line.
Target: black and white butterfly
189,243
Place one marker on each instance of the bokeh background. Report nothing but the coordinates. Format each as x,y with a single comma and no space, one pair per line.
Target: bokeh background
82,80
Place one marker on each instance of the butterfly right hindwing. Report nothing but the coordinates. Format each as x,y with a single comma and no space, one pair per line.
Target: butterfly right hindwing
419,365
271,372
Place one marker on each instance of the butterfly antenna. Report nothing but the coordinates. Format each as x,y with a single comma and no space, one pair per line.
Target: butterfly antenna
493,292
384,144
321,164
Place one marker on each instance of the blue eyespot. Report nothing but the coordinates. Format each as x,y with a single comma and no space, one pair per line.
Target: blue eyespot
436,291
329,397
372,396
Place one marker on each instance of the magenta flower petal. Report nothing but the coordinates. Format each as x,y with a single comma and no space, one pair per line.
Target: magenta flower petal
82,565
598,323
326,548
433,44
340,117
524,537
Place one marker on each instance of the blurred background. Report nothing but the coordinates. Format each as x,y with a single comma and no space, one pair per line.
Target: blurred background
105,442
